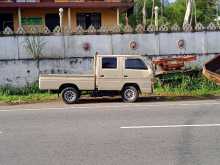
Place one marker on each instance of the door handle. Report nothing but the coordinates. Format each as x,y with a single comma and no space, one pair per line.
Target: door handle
125,76
102,76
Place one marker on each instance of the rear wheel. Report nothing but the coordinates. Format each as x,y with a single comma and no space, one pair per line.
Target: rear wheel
130,94
70,95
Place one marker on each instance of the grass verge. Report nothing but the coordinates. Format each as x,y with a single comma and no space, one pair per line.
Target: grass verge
186,84
29,94
31,98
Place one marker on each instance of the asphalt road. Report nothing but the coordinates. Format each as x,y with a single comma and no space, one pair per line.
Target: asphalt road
113,133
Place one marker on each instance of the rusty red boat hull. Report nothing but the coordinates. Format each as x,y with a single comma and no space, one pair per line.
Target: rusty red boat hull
211,70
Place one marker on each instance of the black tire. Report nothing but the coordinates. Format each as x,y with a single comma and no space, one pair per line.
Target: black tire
130,94
70,95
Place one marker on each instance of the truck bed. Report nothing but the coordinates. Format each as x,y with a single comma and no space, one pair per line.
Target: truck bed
54,81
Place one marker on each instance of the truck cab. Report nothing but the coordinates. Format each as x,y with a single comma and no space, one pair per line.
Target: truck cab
115,71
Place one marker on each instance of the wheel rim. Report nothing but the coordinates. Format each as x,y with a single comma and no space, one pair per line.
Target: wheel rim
70,96
129,94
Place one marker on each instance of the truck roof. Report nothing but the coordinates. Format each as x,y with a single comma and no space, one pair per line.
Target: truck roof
120,55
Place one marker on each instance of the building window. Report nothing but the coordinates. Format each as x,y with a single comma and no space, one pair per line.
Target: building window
6,20
87,19
109,63
52,20
135,64
32,21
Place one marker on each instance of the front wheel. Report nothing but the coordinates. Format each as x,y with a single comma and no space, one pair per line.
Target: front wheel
70,95
130,94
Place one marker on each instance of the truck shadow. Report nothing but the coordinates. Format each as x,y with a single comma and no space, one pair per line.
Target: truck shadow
150,99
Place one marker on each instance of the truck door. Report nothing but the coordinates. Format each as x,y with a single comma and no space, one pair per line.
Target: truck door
109,75
136,71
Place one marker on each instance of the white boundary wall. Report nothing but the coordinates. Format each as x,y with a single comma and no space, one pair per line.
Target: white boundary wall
66,54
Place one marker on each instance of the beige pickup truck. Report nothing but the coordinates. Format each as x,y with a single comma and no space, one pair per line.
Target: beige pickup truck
125,75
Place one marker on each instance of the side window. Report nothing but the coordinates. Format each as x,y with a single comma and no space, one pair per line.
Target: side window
135,64
109,63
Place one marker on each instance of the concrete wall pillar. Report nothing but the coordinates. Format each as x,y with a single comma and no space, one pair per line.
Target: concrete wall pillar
69,18
118,17
19,18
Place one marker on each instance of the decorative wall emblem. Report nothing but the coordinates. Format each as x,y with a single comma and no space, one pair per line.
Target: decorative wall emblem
8,31
79,30
164,28
211,27
175,28
128,29
86,46
187,28
103,29
46,30
181,44
57,29
20,31
140,28
151,28
115,29
199,27
91,29
133,45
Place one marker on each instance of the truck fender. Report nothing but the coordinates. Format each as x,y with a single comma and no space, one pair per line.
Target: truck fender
131,84
67,85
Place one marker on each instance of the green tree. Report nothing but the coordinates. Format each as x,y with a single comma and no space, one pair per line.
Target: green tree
204,12
136,17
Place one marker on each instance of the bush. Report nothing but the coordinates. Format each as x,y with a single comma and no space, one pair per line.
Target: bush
192,83
9,90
